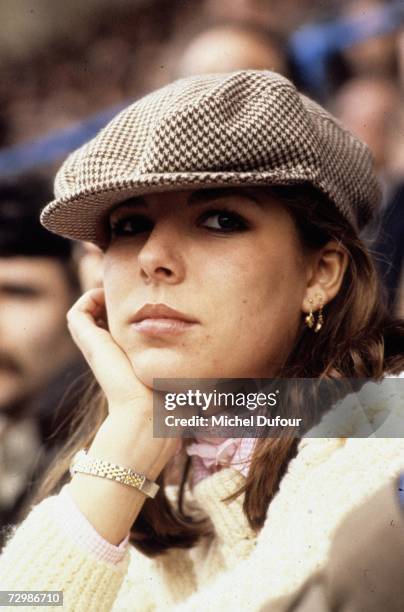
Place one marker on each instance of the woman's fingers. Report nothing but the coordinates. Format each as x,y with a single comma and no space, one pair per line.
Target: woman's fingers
109,363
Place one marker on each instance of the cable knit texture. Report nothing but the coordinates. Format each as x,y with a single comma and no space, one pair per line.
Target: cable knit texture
234,568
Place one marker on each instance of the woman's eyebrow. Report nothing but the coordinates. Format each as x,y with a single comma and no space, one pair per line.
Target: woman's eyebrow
204,196
137,202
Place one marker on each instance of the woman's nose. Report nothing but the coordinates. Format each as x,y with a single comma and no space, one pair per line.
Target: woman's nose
160,258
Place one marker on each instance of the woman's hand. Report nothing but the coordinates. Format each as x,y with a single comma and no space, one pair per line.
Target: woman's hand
130,402
126,435
87,324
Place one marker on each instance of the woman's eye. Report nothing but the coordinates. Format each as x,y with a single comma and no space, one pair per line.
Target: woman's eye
128,226
224,221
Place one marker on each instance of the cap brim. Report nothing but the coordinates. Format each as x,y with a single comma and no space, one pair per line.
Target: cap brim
84,216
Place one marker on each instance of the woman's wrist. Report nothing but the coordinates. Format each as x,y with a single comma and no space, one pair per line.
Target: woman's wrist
110,506
127,439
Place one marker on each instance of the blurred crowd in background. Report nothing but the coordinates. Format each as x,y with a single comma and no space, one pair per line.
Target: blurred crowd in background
65,69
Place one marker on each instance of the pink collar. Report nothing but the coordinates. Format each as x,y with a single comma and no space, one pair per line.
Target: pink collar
212,454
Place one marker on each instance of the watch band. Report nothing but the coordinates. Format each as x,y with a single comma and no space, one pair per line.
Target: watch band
85,464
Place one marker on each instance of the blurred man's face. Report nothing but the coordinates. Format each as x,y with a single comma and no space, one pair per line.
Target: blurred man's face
34,298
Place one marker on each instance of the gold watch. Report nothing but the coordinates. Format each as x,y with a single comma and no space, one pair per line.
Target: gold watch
85,464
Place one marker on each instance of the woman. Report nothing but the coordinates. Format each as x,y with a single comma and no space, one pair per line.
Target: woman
235,202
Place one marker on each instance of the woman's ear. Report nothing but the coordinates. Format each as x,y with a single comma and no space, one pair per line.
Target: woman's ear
325,273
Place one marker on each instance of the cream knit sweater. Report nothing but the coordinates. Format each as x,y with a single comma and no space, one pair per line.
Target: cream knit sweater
232,570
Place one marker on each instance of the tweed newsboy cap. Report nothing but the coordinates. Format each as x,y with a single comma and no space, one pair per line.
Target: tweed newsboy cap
243,128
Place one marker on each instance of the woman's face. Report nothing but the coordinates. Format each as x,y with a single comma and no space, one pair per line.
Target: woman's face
228,259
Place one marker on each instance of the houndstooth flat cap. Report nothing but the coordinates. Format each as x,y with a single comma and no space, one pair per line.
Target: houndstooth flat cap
243,128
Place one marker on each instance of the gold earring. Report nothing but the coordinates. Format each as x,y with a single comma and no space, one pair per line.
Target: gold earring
320,317
310,317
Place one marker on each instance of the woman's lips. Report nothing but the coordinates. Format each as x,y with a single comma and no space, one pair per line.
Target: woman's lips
162,327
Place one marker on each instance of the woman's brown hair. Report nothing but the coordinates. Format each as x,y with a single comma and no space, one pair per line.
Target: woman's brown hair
359,339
